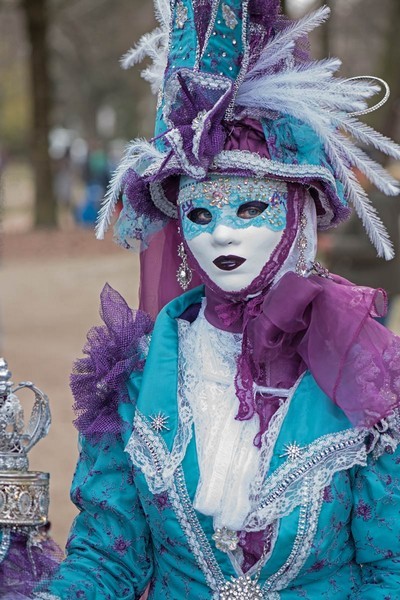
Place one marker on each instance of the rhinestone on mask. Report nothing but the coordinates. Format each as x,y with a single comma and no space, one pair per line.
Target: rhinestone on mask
219,199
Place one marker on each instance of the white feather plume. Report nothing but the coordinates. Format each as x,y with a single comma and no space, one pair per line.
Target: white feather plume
155,46
312,94
139,155
284,40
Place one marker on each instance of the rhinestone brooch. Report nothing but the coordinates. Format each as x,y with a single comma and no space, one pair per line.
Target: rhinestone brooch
242,588
225,539
159,422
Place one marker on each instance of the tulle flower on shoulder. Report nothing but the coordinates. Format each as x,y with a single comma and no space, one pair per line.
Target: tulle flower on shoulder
113,351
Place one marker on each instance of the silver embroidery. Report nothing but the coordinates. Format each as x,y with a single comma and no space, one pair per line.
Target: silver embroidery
242,159
286,487
229,17
195,535
181,15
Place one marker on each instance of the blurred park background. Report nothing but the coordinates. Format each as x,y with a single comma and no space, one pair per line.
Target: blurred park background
66,112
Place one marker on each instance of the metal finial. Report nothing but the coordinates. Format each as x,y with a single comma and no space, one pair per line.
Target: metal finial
24,495
5,377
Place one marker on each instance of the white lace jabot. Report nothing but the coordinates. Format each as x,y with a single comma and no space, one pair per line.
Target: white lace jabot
228,459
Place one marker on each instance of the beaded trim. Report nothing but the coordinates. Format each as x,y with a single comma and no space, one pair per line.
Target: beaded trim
308,522
219,190
194,532
161,201
283,490
250,161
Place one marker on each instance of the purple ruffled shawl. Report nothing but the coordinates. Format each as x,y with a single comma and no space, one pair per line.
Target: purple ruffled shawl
325,325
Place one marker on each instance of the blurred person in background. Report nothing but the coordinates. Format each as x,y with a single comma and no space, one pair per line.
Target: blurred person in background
96,175
349,253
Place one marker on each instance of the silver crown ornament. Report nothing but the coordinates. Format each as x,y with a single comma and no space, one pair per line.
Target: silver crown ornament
24,495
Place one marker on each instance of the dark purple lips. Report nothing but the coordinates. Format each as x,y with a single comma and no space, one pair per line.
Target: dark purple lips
228,263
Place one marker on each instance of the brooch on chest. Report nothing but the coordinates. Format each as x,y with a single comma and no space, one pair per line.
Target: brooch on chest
243,588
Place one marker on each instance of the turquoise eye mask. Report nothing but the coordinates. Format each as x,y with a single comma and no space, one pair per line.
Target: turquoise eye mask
235,202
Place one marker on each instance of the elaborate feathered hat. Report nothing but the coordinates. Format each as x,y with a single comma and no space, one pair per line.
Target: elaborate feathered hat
224,67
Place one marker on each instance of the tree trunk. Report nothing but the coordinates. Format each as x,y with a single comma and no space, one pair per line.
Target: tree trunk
390,72
284,6
36,18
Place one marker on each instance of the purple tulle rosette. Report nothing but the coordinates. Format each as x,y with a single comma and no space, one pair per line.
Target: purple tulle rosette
195,117
26,565
113,351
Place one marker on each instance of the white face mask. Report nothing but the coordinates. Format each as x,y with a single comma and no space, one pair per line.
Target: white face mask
232,226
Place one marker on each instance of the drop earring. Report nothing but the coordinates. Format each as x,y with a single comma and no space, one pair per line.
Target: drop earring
302,243
184,273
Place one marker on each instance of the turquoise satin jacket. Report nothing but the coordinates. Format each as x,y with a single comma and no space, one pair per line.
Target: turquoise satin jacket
334,504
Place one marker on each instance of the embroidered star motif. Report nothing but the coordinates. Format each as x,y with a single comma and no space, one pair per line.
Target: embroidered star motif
159,422
293,451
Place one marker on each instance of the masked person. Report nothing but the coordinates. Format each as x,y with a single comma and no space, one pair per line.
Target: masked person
246,445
